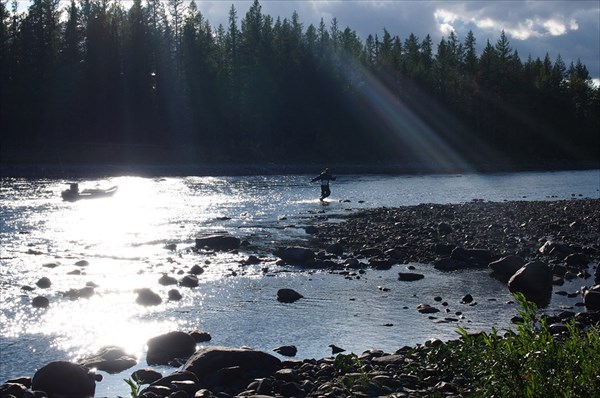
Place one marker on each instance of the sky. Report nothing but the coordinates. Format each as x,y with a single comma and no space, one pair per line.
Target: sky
534,27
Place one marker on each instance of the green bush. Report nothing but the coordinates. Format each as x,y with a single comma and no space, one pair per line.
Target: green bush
531,362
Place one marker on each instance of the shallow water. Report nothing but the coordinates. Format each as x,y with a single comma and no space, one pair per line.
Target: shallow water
124,237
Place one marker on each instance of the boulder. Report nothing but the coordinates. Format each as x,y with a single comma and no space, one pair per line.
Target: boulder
40,302
200,336
427,309
577,260
555,248
409,276
207,362
295,255
147,297
64,379
534,280
174,295
166,280
196,270
44,282
467,299
218,242
380,264
591,299
10,390
167,347
175,376
109,359
23,380
506,267
288,295
189,281
251,260
84,292
146,376
286,350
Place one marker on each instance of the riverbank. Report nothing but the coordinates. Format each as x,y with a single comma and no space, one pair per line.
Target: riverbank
66,169
471,235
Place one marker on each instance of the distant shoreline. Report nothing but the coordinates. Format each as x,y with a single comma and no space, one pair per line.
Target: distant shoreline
100,170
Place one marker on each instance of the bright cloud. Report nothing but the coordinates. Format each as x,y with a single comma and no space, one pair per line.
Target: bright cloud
446,29
486,23
445,20
554,27
519,29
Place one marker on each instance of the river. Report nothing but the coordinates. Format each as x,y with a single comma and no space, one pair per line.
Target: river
124,239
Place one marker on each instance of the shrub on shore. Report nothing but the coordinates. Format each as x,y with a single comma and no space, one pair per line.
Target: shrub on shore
531,362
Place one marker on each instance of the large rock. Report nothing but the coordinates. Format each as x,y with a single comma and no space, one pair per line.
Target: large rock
218,242
295,255
167,347
286,350
146,376
189,281
11,390
109,359
409,276
534,280
44,282
288,295
210,362
591,299
506,267
40,302
64,379
556,248
147,297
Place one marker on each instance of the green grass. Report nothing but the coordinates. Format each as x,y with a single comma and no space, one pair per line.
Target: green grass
529,362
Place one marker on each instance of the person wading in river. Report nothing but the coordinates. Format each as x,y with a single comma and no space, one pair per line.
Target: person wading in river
325,177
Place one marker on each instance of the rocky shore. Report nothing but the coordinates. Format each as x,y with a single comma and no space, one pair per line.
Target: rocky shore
532,246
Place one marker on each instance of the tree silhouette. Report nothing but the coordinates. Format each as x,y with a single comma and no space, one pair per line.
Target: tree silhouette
155,82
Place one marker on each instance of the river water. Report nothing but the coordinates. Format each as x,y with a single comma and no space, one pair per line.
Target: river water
124,240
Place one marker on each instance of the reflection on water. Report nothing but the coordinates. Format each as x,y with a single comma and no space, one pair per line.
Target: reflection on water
124,241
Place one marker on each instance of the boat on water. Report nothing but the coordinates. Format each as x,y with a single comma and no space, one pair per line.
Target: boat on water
74,194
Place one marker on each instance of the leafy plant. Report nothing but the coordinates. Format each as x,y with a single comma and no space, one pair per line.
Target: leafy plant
347,363
531,362
134,386
352,372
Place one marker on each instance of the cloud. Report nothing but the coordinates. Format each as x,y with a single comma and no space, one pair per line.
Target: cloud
519,29
446,19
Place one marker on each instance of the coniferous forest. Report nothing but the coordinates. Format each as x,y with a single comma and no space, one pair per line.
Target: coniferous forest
155,82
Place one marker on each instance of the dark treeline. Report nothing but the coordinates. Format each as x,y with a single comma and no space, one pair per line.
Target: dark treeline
155,82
